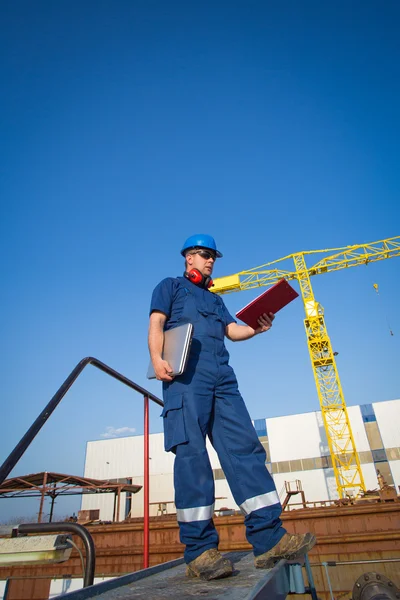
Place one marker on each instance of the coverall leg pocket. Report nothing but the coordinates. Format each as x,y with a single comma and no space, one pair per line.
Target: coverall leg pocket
174,422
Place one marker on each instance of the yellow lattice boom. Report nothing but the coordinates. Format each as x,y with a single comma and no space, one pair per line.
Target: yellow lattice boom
345,460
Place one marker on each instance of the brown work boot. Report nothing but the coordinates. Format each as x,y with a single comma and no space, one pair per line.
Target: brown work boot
209,565
291,546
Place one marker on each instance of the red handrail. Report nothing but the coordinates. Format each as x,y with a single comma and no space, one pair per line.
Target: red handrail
146,490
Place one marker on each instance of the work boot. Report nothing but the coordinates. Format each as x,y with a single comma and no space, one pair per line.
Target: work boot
291,546
209,565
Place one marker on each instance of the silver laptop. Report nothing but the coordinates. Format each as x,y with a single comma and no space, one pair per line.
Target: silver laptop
176,349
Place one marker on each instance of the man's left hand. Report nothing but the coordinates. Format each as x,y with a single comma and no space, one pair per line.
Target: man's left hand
265,322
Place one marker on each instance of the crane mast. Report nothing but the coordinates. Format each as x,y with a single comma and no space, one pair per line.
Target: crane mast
345,460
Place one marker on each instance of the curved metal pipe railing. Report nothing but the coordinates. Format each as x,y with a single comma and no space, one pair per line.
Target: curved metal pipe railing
79,530
36,426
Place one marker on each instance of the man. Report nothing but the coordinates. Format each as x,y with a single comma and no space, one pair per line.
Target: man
205,401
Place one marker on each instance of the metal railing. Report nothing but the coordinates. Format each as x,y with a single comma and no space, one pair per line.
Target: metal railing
36,426
79,530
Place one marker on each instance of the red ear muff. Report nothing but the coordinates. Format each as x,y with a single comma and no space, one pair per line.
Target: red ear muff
195,276
198,278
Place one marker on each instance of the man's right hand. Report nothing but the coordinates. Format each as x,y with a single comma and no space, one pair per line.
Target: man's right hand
163,370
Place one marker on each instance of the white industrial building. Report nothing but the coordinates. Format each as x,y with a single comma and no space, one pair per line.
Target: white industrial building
296,447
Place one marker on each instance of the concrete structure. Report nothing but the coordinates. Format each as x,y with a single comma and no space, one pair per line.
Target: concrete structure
296,448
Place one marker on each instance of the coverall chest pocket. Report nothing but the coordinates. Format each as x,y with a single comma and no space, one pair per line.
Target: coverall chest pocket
213,322
174,422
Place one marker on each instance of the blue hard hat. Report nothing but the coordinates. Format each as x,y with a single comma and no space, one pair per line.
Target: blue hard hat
200,240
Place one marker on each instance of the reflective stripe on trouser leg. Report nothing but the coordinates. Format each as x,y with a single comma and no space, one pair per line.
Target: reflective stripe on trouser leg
257,502
242,458
199,513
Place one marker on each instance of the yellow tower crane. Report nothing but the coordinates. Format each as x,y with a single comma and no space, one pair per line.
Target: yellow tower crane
345,461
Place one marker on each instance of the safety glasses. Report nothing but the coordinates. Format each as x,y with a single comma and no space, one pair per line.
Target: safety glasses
205,254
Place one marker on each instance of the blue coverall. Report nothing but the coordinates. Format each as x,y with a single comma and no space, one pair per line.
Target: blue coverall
205,401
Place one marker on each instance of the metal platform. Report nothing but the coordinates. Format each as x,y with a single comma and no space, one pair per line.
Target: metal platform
168,581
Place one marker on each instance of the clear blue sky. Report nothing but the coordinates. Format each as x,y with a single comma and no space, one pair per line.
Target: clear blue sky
127,126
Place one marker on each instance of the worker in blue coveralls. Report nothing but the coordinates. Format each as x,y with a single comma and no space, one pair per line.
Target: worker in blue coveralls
205,401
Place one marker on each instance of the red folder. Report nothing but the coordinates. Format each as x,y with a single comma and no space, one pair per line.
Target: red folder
275,298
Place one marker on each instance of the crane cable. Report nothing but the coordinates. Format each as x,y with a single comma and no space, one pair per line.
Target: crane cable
376,287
